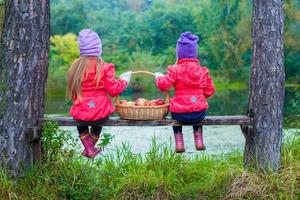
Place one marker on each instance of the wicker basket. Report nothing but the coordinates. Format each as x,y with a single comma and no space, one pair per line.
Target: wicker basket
143,112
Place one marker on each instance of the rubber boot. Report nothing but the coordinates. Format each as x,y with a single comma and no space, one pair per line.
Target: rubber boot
90,150
198,138
179,142
94,139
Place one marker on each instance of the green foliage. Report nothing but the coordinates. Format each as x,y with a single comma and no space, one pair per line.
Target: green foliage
160,174
105,140
293,110
143,34
292,40
67,19
226,37
63,51
53,140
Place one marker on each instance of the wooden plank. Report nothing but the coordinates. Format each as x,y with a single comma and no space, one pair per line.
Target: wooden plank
115,121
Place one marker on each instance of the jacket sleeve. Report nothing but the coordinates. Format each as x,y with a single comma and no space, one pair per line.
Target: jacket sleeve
210,88
164,83
112,85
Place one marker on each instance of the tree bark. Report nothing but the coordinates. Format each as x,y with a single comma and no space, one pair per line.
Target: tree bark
266,98
23,74
1,16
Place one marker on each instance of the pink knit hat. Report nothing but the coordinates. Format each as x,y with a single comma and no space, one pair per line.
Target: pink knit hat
89,43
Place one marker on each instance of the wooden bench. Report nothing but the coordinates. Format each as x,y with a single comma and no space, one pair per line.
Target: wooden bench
35,132
115,121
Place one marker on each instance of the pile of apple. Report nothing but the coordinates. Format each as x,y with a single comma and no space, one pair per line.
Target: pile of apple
143,102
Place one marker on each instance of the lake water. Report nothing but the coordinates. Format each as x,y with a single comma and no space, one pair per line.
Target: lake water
218,139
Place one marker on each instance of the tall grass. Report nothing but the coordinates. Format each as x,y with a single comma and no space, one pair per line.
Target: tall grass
160,174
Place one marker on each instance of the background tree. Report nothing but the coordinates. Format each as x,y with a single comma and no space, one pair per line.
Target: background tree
145,27
292,40
1,15
69,17
263,141
63,51
23,73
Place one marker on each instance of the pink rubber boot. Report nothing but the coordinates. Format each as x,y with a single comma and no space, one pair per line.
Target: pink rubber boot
94,139
179,142
90,150
198,138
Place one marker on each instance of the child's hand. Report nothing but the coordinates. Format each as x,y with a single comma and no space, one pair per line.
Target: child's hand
126,76
158,74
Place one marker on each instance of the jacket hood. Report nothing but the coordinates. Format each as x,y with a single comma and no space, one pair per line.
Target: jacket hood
194,75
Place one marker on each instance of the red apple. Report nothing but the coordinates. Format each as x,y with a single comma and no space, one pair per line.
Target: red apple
160,102
140,102
123,101
147,103
152,103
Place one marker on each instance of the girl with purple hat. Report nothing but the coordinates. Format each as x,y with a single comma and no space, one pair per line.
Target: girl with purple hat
90,82
192,86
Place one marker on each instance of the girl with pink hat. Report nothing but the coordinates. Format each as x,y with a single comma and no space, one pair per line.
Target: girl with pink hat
192,86
90,82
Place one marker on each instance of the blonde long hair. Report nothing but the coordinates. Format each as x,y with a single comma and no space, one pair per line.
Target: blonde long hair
76,74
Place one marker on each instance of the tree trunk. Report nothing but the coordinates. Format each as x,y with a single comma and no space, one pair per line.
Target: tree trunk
23,74
263,140
1,16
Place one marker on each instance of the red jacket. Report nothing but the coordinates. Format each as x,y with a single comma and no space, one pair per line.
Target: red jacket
192,86
95,103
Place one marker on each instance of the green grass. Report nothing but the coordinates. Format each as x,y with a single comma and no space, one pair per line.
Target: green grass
160,174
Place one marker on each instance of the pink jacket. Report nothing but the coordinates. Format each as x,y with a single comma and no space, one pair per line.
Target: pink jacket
95,103
192,86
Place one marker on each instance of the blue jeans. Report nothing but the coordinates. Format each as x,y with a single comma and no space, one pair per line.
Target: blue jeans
188,118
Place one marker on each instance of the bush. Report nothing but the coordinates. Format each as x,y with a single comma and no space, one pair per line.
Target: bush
63,52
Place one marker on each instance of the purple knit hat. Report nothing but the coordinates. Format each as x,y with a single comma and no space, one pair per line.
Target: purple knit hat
89,43
187,46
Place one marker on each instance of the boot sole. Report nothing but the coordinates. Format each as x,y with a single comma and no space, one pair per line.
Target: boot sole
200,149
180,151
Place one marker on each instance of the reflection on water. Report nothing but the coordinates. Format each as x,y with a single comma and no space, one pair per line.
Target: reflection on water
218,139
224,102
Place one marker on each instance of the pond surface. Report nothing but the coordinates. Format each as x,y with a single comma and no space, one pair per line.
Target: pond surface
218,139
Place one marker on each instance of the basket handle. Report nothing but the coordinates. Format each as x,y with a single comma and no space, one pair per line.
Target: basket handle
144,72
117,101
